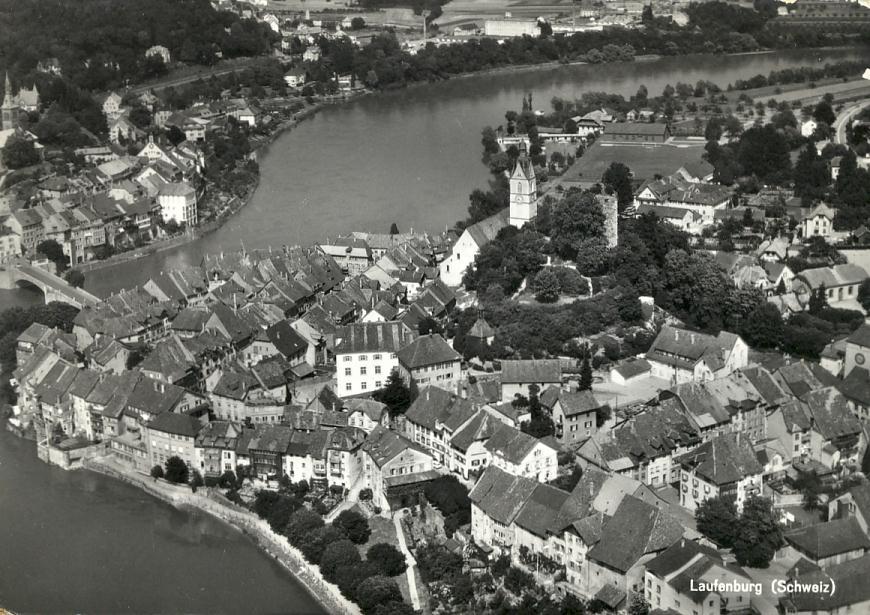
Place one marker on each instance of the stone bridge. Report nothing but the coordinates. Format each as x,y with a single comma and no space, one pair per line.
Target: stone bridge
53,287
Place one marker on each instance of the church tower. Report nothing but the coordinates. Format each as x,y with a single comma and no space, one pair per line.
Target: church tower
9,110
524,190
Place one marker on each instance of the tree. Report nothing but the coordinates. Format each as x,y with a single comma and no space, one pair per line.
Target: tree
396,394
545,285
758,534
394,229
176,470
864,294
53,251
339,553
592,256
717,520
818,300
376,590
354,525
357,23
301,523
429,325
157,471
19,152
585,374
764,328
348,578
75,278
764,151
824,113
387,558
617,178
313,545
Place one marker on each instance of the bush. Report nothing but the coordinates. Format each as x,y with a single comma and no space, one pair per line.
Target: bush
196,481
314,544
450,497
348,577
389,560
157,471
517,580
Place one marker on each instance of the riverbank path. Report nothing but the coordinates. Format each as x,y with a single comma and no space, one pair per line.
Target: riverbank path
409,558
845,118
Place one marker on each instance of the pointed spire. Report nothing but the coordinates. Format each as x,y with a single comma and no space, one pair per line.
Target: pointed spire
7,93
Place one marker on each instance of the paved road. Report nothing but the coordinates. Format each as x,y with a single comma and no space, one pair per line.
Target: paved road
205,74
845,118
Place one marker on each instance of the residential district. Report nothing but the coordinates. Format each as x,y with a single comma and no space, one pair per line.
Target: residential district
623,488
639,388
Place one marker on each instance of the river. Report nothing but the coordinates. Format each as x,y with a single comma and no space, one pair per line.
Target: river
83,542
413,156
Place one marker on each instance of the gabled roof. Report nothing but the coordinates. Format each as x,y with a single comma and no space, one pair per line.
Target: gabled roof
371,337
531,371
512,444
285,339
578,402
725,459
486,230
500,495
831,277
831,414
383,445
822,540
636,529
480,329
852,588
176,423
427,350
434,404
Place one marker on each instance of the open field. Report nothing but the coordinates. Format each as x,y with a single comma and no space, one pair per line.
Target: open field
643,160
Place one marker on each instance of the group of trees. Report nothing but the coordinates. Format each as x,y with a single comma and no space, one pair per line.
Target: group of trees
754,535
335,549
101,45
450,497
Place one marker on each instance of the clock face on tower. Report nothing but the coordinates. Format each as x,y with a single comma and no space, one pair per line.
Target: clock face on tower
859,359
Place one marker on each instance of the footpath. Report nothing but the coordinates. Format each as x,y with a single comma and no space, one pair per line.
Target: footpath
213,503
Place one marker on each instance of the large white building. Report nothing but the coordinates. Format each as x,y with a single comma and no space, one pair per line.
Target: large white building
366,354
178,202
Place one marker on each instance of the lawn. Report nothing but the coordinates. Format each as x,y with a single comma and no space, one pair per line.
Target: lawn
644,161
383,530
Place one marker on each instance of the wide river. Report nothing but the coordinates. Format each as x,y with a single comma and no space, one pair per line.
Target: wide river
79,541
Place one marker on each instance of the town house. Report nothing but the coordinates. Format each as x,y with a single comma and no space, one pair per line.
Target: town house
574,414
172,434
518,376
430,360
520,454
366,355
215,447
391,463
679,355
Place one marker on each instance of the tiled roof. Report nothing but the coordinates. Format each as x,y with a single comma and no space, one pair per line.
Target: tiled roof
510,443
500,495
285,339
382,445
578,402
486,230
831,277
176,423
434,404
371,337
823,540
636,529
531,371
724,459
479,428
851,583
427,350
272,438
832,417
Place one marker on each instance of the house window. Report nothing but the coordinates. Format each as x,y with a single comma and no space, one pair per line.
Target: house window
348,386
347,358
363,357
347,371
362,371
364,386
377,357
377,369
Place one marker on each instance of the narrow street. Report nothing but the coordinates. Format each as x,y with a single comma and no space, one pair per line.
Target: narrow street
409,558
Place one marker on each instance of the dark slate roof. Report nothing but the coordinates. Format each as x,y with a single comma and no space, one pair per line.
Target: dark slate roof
830,410
828,539
861,336
371,337
219,434
480,329
633,367
636,529
533,370
427,350
500,495
285,339
434,404
578,402
850,579
765,384
722,460
856,386
510,443
541,510
272,438
382,445
486,230
678,555
175,423
480,427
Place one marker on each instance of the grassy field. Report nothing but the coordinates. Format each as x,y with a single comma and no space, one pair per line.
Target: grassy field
644,161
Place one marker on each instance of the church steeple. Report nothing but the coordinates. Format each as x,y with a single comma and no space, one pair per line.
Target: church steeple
523,189
9,110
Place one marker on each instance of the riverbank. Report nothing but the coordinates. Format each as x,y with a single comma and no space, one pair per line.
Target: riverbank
212,503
